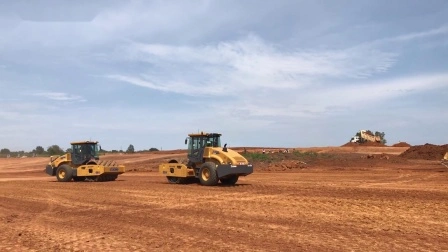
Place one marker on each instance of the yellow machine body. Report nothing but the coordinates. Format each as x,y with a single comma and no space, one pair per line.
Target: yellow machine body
86,166
208,162
445,160
176,170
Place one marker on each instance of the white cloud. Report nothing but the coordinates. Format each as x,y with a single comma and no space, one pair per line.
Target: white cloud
245,65
374,91
253,56
255,66
442,30
310,103
60,96
172,86
359,95
96,24
265,80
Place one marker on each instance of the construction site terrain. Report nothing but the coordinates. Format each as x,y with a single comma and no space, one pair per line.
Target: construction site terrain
348,198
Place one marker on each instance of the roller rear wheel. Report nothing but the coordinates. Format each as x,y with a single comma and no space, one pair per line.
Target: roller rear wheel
64,173
208,175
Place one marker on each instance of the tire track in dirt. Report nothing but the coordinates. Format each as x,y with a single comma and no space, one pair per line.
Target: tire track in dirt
27,221
45,228
314,211
359,207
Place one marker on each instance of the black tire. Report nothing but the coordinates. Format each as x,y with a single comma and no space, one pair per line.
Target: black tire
78,179
64,173
208,175
176,180
229,180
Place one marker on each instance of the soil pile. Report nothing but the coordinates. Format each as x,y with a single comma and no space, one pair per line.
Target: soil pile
426,151
350,144
401,144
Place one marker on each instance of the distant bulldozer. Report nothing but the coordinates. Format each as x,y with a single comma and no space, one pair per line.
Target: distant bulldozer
83,164
365,136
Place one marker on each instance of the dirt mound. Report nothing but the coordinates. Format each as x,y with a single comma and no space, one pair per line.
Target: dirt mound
401,144
426,151
350,144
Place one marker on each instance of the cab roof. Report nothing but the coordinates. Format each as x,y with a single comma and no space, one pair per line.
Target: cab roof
203,134
84,142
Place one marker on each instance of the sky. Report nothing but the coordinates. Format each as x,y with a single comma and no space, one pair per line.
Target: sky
284,73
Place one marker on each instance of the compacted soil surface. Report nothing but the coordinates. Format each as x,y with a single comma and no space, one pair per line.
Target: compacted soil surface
316,199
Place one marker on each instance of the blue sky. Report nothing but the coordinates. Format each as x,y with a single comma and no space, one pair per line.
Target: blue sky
263,73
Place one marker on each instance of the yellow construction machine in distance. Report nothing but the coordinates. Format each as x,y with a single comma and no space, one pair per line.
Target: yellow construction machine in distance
445,160
208,162
83,164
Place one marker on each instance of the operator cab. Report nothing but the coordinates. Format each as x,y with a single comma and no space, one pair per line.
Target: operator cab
83,152
197,143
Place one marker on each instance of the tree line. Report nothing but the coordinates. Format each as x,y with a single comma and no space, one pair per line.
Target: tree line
130,149
39,151
54,150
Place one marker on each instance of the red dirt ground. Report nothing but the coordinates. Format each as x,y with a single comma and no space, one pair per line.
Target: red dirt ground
427,151
401,144
349,144
342,199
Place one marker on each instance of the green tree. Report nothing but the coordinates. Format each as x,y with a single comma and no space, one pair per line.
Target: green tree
39,150
153,149
55,150
381,135
5,151
130,149
68,150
